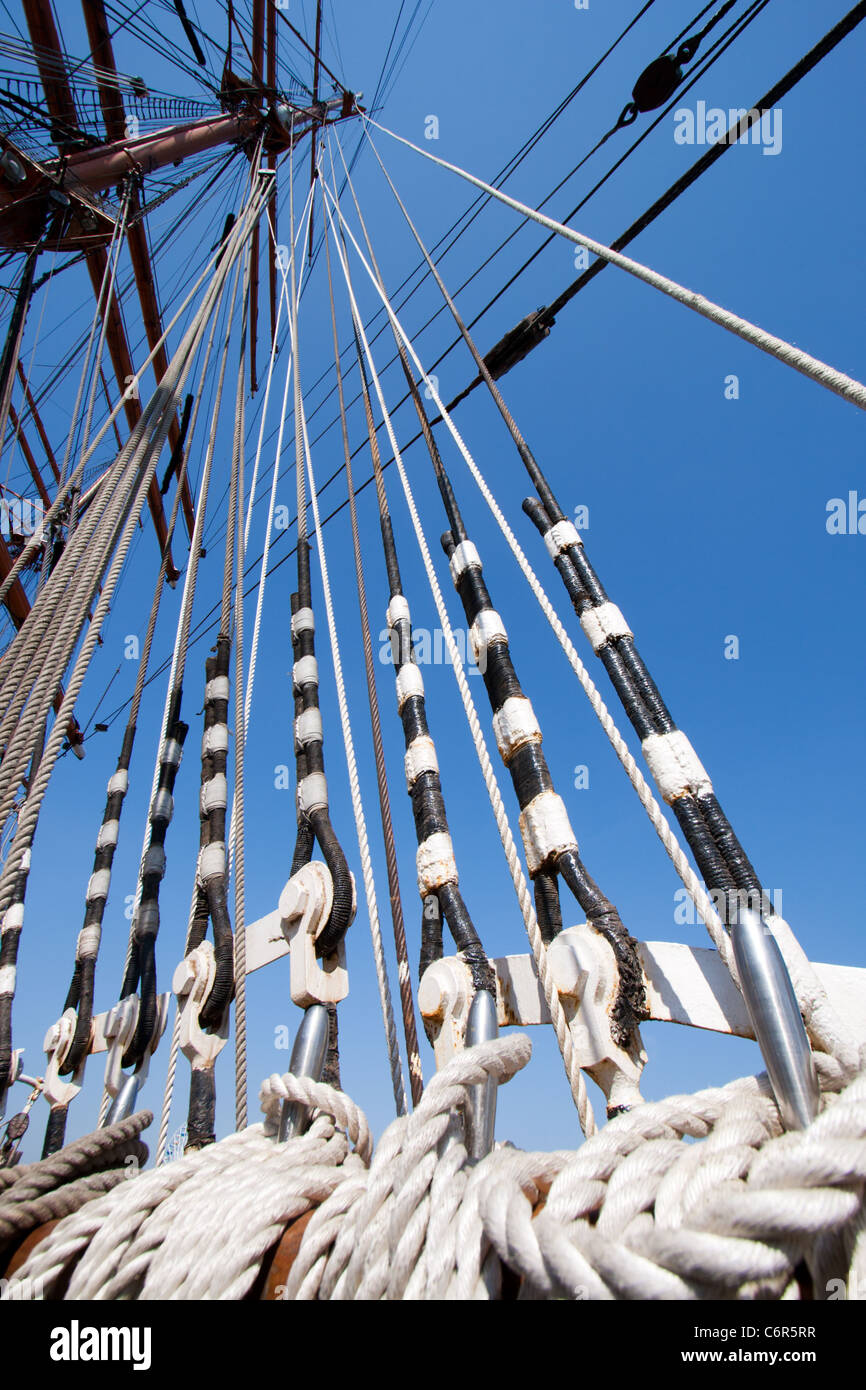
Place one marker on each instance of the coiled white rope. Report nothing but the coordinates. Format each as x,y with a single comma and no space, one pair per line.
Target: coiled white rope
200,1227
694,1197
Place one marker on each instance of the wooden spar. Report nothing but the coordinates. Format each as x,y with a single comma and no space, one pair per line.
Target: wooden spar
258,64
50,58
96,261
52,71
257,75
16,600
114,115
37,420
272,164
14,336
101,169
316,65
28,454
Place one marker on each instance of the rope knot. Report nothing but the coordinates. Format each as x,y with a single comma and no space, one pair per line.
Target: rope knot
319,1098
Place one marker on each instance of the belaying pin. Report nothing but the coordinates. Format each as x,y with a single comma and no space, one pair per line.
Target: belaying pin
481,1027
775,1015
123,1104
308,1059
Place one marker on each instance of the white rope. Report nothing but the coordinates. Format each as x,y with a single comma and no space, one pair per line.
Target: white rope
235,553
826,1029
266,549
200,1227
397,1079
560,1023
694,1197
34,543
792,356
395,1231
643,1215
284,295
635,1213
177,666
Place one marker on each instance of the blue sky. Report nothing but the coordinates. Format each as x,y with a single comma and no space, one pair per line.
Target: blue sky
707,518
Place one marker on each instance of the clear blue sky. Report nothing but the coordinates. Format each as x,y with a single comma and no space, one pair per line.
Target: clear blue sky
707,519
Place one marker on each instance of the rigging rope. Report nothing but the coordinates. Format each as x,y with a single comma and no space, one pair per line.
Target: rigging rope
34,543
397,1081
80,995
312,789
549,841
826,1029
557,1014
13,875
404,977
820,372
546,316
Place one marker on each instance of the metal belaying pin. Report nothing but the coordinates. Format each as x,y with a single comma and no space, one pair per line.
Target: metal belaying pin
481,1027
775,1015
123,1104
308,1059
